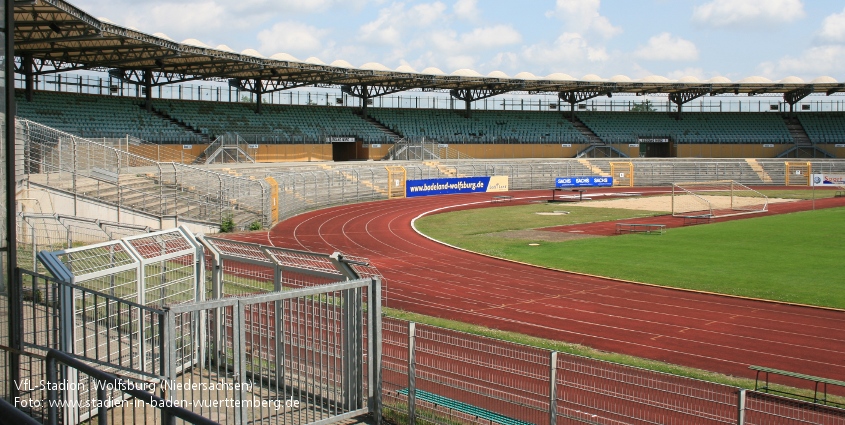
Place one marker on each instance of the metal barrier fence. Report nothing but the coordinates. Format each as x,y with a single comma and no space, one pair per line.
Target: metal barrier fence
81,167
104,330
306,355
151,270
242,268
103,305
420,150
52,232
442,376
136,307
109,396
768,409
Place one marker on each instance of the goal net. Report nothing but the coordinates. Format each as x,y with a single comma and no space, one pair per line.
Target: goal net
716,199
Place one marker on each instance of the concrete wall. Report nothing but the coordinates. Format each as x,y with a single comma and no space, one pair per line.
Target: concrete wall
730,150
323,152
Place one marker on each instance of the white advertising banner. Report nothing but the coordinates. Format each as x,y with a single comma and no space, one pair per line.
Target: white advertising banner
828,180
340,139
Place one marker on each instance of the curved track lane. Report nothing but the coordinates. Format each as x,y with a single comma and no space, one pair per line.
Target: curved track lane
710,332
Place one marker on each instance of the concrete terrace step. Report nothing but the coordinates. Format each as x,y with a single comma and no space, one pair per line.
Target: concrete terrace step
764,176
593,168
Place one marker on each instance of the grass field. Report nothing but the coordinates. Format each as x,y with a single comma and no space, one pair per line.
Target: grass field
790,257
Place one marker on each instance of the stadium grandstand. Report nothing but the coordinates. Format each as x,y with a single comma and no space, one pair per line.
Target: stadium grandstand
125,152
791,125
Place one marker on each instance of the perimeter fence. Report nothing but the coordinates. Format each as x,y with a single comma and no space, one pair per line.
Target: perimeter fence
303,189
437,375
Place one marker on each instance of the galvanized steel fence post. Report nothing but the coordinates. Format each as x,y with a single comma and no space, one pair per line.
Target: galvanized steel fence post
553,388
374,350
412,386
740,405
239,357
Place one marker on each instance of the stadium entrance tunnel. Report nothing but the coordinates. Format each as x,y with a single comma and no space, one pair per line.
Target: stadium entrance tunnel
656,150
349,151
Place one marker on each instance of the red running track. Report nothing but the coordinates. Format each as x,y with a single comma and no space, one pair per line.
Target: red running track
711,332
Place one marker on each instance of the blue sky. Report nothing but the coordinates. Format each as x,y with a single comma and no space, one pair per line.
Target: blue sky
637,38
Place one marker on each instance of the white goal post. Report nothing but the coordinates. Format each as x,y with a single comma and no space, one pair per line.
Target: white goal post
716,199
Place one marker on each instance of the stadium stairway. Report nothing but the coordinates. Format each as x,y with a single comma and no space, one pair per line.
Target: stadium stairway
443,170
353,178
764,176
145,193
183,125
393,135
594,169
804,146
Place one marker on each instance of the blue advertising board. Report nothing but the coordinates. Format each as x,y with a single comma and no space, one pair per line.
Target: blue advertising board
428,187
584,181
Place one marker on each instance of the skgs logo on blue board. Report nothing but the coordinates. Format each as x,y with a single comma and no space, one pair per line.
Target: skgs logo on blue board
585,181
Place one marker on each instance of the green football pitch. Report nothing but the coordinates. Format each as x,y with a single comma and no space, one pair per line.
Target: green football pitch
790,257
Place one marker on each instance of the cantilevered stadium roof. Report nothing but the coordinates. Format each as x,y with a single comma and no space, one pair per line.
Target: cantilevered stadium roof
55,36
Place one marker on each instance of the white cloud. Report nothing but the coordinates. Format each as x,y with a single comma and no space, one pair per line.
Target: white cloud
582,16
817,61
477,39
464,50
205,16
501,59
666,47
833,28
425,14
691,72
577,49
569,48
394,21
747,13
466,9
291,7
291,37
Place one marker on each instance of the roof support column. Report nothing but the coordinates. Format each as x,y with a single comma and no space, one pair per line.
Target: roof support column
28,76
471,95
365,93
795,96
467,96
365,99
576,96
258,92
148,90
681,97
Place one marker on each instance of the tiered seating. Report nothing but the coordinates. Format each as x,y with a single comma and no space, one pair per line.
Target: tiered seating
626,127
828,127
482,127
94,116
275,123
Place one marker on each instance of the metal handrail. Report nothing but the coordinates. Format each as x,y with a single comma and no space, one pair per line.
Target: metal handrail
169,413
13,415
